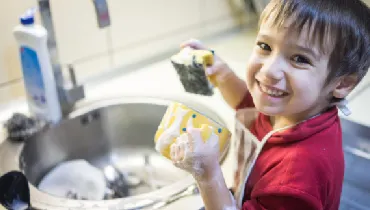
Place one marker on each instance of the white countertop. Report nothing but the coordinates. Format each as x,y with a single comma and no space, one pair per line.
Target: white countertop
158,80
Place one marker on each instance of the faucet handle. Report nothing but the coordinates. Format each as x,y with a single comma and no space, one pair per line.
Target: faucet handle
72,75
76,92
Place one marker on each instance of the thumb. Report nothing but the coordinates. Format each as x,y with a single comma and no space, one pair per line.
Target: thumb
195,135
211,70
216,68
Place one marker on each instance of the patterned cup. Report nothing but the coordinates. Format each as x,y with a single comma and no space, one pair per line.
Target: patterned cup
177,118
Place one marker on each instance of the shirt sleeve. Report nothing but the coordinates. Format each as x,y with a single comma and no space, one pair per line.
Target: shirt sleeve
247,102
277,202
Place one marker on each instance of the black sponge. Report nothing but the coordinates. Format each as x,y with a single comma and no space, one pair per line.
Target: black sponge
21,127
189,65
193,79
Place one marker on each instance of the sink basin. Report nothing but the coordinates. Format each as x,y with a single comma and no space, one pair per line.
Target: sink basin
117,132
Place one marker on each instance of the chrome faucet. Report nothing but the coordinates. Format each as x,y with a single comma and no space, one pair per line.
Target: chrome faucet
68,94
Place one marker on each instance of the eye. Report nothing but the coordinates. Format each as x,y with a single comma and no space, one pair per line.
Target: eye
264,46
301,59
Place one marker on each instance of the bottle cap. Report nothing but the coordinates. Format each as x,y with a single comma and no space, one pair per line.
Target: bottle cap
28,17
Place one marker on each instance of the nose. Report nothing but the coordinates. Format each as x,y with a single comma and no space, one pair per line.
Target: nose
273,67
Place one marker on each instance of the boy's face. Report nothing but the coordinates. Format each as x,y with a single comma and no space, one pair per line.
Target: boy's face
286,75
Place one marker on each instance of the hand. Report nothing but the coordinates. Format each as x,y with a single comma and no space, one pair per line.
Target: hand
219,70
198,157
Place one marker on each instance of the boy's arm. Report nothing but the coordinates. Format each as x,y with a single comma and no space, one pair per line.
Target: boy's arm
201,159
215,194
233,90
246,102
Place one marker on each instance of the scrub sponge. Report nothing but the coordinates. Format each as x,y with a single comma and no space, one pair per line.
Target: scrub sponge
190,66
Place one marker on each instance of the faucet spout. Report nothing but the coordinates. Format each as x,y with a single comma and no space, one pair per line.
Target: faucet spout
68,96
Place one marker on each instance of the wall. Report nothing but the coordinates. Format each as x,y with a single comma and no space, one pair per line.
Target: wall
11,85
140,29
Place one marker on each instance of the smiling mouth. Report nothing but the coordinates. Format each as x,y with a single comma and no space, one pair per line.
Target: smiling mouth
271,91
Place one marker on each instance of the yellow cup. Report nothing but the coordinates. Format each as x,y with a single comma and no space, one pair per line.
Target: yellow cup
175,121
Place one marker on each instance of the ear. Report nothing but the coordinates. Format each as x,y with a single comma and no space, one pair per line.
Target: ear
344,86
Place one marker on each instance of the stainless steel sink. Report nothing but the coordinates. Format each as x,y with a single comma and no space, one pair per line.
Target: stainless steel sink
116,132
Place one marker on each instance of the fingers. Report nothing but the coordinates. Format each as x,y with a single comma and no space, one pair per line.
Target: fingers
213,142
175,152
195,138
182,147
193,43
188,143
212,70
219,66
178,149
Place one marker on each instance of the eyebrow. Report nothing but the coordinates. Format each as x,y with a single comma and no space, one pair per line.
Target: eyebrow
296,46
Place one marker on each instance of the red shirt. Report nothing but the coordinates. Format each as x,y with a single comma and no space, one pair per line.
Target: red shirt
299,168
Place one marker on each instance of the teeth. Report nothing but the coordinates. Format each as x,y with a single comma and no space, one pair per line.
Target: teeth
271,92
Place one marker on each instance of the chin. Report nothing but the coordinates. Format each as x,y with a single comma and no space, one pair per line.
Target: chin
270,111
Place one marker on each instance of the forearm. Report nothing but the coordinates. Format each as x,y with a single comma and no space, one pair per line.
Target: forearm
233,89
215,194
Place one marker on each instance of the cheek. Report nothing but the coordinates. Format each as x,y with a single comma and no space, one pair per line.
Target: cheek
305,89
253,66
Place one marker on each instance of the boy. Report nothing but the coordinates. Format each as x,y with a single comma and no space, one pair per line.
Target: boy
309,55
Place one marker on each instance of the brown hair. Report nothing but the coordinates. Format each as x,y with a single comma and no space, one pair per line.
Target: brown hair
344,23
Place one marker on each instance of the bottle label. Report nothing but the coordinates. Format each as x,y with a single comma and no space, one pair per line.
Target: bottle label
33,77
